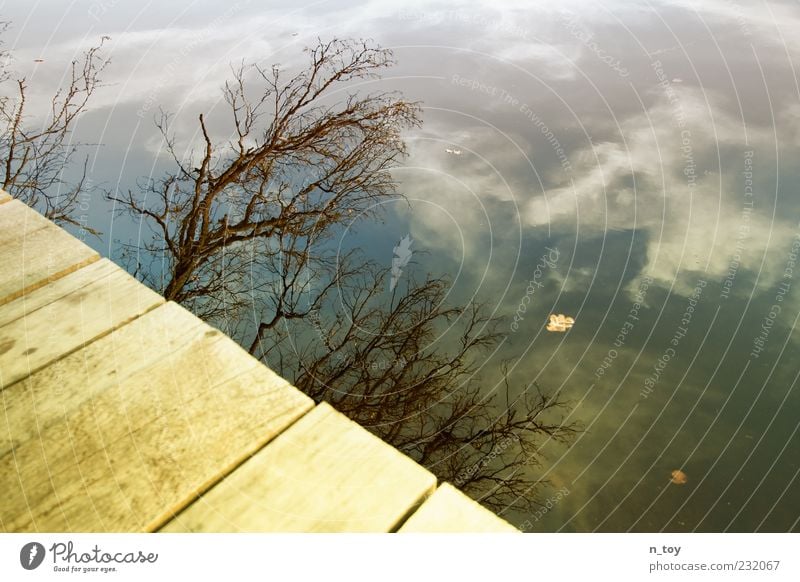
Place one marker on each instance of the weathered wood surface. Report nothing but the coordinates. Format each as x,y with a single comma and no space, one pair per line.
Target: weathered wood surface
67,323
132,455
26,305
325,473
449,511
34,251
121,412
53,393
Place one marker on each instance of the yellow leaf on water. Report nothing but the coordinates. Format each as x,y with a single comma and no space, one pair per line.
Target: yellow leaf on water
560,322
678,477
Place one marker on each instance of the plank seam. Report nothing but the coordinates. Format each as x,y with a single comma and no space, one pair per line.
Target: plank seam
110,443
31,226
440,485
172,515
82,346
414,507
60,297
49,279
184,332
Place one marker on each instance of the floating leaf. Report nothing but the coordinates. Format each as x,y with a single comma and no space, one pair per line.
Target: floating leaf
560,322
678,477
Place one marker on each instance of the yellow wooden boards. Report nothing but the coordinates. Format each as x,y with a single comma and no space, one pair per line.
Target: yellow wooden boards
52,394
17,221
148,443
44,296
325,473
119,412
449,511
66,315
34,251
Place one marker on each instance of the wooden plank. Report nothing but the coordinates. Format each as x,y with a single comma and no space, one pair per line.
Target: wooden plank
325,473
18,221
34,251
27,304
52,394
4,196
448,510
133,455
67,324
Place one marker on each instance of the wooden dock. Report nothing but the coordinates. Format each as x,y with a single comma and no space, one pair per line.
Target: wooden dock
125,413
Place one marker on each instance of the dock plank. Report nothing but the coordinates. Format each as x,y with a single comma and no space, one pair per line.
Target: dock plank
53,393
325,473
60,327
27,304
18,220
132,456
34,251
448,510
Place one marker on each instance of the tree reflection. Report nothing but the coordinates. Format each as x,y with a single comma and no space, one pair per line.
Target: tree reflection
241,235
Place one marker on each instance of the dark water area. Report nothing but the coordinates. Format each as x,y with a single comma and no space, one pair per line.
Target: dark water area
647,150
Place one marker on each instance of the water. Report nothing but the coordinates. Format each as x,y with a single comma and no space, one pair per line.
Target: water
668,191
650,144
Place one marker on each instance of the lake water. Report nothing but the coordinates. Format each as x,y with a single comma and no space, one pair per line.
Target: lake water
647,149
653,148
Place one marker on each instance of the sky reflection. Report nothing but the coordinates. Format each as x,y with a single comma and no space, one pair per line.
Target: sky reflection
650,143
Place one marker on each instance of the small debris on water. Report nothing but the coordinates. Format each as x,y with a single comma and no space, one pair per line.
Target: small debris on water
560,322
678,477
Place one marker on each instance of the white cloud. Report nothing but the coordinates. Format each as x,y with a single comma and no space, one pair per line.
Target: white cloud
690,230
